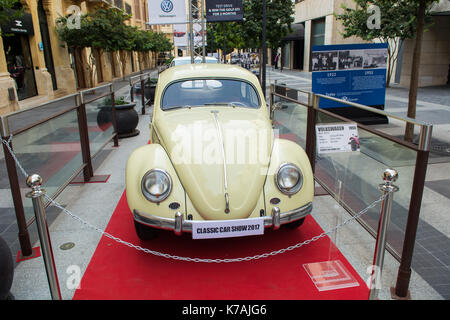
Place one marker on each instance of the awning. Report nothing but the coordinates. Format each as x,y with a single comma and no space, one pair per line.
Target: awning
298,33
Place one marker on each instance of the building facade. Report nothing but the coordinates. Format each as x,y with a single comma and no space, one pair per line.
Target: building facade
35,66
435,56
320,27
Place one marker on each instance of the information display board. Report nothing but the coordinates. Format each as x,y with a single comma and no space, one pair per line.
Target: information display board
352,72
224,10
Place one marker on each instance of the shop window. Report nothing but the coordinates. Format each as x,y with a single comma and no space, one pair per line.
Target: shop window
118,4
318,32
20,65
127,8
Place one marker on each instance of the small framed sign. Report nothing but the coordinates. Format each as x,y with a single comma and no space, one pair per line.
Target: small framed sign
227,228
338,137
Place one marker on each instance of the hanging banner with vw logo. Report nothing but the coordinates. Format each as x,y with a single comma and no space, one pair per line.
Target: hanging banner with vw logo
167,11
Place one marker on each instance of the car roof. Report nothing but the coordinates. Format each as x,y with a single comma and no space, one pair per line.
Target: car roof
205,70
189,58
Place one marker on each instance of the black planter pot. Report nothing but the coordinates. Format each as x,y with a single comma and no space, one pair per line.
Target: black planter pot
126,117
6,271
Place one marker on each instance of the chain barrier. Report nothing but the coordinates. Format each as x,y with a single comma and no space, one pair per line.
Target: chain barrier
189,259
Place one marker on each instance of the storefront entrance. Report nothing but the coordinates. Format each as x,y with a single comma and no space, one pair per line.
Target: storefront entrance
20,64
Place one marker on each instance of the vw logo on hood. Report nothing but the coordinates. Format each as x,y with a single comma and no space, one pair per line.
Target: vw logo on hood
166,6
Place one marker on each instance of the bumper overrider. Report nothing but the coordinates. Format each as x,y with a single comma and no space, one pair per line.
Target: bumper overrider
179,225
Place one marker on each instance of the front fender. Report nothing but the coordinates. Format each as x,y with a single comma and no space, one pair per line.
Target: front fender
288,151
142,160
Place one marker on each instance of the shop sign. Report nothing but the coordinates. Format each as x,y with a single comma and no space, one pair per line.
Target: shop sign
351,72
224,10
21,25
227,228
340,137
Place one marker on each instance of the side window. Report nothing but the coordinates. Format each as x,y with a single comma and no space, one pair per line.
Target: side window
249,94
253,97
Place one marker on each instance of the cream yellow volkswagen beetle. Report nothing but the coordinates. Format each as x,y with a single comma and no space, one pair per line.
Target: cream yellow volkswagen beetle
215,167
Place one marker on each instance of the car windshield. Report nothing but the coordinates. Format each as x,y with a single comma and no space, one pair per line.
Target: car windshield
204,92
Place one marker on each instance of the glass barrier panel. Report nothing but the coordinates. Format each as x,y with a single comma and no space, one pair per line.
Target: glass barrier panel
22,119
290,121
137,96
353,179
52,150
99,120
92,94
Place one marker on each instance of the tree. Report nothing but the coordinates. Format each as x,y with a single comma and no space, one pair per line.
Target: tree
279,18
104,29
389,21
109,31
398,20
233,36
248,33
423,5
76,39
155,42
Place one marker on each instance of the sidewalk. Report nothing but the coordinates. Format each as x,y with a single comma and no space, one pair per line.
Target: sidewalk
95,204
8,224
431,255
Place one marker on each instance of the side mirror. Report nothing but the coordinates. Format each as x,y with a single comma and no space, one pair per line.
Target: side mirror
275,106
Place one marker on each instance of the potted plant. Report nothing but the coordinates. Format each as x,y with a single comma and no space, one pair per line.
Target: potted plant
127,118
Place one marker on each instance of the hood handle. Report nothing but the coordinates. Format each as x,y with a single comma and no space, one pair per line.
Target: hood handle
225,183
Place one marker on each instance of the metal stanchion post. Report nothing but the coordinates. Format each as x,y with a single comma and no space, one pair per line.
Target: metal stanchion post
388,189
34,182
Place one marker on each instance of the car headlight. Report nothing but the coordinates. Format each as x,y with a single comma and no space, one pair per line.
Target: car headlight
289,179
156,185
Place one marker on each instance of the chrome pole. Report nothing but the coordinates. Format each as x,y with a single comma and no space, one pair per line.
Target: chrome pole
388,189
35,182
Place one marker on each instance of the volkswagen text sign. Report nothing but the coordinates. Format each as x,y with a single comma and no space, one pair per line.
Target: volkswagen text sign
224,10
166,11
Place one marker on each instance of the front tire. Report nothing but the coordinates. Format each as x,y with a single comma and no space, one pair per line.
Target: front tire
145,232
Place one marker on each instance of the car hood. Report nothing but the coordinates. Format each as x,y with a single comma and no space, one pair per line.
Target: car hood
204,143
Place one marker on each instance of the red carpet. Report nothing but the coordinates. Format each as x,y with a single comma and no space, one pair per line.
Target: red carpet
119,272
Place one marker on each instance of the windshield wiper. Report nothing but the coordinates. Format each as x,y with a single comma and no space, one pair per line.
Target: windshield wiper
177,107
228,104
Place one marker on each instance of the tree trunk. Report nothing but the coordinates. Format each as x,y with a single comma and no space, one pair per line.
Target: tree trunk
409,131
389,71
140,60
98,62
123,60
81,77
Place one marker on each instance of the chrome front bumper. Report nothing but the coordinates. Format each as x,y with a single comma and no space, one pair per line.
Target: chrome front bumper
179,225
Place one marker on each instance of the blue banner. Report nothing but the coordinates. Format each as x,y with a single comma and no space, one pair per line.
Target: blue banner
352,72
